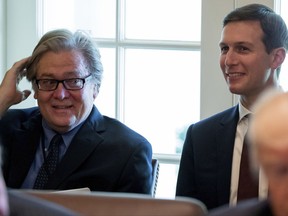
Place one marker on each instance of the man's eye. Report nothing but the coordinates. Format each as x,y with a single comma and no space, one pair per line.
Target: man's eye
242,49
224,49
48,82
74,81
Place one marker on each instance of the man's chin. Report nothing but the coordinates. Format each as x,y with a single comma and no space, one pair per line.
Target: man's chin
63,126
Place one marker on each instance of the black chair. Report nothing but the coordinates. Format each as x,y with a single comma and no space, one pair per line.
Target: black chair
155,174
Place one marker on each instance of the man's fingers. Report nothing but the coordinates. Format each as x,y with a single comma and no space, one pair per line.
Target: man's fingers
21,70
21,64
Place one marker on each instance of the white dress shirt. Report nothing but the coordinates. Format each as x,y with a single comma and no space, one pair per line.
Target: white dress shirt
241,131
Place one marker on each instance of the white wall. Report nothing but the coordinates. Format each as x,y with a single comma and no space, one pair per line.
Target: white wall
2,36
21,35
214,92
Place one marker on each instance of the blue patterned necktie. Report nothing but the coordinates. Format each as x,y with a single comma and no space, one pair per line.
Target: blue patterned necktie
50,163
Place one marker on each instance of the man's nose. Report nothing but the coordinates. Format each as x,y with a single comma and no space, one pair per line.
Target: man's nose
231,58
61,92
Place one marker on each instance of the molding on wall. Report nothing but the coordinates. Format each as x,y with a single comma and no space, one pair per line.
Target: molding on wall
3,37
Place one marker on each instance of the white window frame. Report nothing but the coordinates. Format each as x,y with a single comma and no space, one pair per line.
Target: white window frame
21,33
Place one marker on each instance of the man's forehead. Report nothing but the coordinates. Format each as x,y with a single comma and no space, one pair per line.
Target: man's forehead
270,122
242,32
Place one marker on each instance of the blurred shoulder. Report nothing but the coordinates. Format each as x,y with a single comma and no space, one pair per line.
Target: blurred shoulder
26,205
252,207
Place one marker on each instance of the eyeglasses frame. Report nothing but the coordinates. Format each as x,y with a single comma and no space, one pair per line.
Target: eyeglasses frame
63,83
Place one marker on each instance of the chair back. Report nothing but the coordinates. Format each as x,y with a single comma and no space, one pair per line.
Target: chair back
155,174
123,204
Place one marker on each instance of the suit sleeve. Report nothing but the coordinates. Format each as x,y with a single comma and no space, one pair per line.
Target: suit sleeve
137,174
186,182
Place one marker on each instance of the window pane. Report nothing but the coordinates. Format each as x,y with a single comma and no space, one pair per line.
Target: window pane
166,187
162,91
106,98
284,68
87,15
163,19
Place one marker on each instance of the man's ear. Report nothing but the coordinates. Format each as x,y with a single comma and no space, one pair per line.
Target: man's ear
279,55
34,87
36,95
95,91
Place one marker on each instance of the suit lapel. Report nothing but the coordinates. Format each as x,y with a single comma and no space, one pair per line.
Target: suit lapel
225,145
25,143
81,147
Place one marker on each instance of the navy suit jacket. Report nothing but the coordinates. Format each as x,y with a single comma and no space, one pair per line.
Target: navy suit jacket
104,155
252,207
206,161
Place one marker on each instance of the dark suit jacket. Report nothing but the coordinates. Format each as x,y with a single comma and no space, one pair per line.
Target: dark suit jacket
104,155
252,207
206,161
21,204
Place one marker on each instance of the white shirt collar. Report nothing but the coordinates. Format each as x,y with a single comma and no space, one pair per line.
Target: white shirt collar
243,111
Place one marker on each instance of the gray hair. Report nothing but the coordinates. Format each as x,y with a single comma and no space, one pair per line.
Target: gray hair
64,40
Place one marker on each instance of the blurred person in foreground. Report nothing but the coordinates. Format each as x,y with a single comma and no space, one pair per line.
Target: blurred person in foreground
253,46
268,133
93,150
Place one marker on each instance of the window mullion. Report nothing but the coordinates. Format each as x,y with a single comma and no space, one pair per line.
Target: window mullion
120,59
